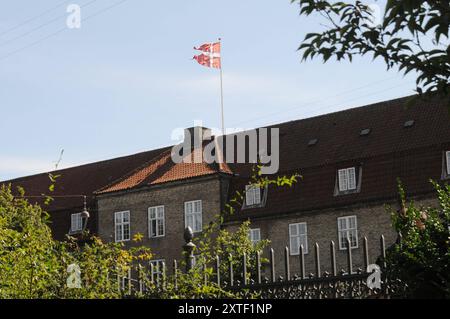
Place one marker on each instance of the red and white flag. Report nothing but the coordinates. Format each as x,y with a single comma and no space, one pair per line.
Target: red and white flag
210,56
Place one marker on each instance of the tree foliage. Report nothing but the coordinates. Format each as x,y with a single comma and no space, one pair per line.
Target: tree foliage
412,35
422,257
34,265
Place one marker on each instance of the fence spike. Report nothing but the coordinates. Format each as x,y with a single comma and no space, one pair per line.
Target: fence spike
205,275
218,270
302,263
231,270
333,258
258,267
175,273
244,268
163,265
118,282
129,282
349,257
140,275
286,264
383,251
366,253
152,271
272,265
317,259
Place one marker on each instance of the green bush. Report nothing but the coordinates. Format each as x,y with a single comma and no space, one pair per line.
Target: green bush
422,257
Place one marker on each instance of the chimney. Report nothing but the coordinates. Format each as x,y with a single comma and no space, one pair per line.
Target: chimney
194,136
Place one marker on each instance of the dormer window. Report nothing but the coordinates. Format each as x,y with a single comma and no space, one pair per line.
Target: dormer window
446,165
447,155
348,180
252,195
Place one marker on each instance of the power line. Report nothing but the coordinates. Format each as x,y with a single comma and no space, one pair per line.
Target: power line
41,26
59,31
345,101
318,100
32,19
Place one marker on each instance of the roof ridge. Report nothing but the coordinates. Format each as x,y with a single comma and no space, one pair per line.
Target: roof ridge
406,97
18,179
134,171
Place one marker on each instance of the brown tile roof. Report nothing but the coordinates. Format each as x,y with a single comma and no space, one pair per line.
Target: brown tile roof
162,169
82,180
413,154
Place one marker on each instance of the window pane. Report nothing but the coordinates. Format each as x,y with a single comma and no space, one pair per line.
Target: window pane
302,228
342,223
153,228
189,207
352,222
257,235
126,231
294,245
342,239
118,232
342,173
198,222
190,221
160,228
353,236
303,240
351,178
293,230
198,206
249,198
256,195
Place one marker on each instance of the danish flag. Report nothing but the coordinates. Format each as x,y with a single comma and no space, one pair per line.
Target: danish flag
210,56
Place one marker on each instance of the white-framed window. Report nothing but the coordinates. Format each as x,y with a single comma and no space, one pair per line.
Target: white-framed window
122,226
76,223
255,235
347,228
347,179
157,268
252,195
447,156
125,281
193,215
156,223
298,235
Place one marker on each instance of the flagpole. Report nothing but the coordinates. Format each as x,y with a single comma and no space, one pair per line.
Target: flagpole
221,90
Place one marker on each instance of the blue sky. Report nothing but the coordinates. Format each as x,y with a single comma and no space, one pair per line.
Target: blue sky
124,81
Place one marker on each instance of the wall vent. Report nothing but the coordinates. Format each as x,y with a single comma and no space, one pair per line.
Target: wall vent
409,123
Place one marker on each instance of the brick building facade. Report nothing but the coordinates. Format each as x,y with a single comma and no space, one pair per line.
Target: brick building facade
349,162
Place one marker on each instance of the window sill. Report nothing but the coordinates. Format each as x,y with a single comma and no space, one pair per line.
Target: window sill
345,249
298,254
253,206
75,232
342,193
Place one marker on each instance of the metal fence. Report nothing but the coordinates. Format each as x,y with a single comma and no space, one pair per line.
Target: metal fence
363,282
